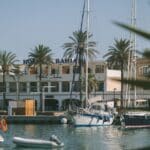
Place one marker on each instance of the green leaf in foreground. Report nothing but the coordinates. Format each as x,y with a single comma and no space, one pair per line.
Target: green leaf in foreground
140,32
140,83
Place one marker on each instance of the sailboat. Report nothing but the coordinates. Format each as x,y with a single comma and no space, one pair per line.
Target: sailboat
93,114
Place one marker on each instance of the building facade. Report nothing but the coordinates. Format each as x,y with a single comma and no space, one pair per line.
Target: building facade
57,83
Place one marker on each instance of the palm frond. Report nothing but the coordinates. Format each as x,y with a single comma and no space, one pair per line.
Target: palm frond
138,83
140,32
146,53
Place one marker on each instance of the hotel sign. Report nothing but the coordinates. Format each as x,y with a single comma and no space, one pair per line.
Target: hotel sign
28,61
57,61
63,61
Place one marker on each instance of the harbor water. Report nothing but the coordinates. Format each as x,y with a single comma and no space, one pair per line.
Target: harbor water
82,138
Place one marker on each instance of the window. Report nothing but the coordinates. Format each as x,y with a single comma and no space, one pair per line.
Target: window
12,87
76,86
1,87
56,86
44,84
89,70
100,86
65,86
33,70
23,87
65,69
33,86
99,69
76,69
54,70
146,70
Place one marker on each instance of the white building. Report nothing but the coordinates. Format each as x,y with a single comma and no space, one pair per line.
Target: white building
57,82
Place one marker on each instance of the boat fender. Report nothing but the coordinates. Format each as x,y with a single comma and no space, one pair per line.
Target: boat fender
3,124
63,120
55,139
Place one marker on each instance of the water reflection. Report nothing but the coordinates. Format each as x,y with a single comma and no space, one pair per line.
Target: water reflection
136,138
92,138
112,138
105,138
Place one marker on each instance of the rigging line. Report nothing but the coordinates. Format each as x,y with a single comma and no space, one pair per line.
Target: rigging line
73,79
77,55
82,18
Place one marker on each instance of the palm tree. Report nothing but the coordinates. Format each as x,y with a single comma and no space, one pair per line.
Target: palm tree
40,55
77,49
7,63
78,46
117,56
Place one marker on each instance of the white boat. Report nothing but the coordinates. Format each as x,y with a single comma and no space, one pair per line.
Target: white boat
93,115
1,139
89,120
54,142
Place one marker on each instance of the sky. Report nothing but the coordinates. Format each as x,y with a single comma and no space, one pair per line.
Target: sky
25,24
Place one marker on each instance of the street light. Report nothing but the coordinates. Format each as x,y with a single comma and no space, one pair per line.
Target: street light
115,97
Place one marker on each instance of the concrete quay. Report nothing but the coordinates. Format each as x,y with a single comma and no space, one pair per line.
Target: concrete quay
34,119
53,117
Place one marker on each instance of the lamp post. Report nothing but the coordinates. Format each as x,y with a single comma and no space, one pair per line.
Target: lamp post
115,97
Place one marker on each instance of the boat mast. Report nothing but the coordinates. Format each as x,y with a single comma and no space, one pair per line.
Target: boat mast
88,21
76,57
133,46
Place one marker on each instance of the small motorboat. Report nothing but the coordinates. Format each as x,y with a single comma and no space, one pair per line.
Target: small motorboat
53,142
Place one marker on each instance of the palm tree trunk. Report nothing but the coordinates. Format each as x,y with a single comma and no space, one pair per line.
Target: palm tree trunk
18,95
41,99
80,76
4,91
121,93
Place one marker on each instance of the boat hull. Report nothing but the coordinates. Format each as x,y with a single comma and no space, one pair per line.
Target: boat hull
136,121
83,120
26,142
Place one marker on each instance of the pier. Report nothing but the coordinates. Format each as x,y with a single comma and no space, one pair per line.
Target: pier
40,118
